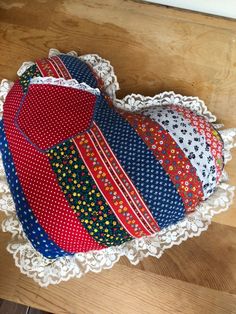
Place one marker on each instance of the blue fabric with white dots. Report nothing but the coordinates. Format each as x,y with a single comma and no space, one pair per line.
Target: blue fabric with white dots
37,236
79,70
142,167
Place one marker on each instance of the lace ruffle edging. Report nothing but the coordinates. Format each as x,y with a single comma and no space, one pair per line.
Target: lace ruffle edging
45,271
102,68
135,102
66,83
5,87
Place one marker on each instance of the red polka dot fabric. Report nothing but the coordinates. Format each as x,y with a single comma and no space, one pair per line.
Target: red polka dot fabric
51,114
40,186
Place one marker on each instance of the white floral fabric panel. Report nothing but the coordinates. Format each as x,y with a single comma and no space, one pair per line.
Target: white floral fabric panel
192,143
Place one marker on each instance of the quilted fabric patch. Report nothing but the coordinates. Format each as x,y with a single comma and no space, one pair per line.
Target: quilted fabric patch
50,114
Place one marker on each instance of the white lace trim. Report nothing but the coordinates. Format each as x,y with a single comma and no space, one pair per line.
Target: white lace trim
24,67
102,67
105,71
229,142
66,83
45,271
5,87
135,102
52,52
55,52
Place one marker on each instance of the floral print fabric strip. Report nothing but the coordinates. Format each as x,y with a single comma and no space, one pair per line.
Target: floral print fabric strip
84,197
193,144
207,130
31,72
109,181
171,157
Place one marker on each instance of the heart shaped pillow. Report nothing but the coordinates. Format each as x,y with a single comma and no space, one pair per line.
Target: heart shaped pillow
95,177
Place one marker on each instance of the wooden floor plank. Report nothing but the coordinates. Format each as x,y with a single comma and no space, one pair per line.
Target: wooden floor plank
122,291
208,261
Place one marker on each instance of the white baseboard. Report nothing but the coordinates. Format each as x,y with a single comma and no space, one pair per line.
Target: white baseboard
225,8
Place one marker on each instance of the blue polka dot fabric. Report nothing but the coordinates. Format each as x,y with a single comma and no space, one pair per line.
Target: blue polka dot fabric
79,70
141,165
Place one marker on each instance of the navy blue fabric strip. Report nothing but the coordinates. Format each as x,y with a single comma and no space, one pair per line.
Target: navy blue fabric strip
37,236
79,70
141,165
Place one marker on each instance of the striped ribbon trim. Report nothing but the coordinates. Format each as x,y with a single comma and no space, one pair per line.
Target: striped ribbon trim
124,181
53,67
47,68
127,207
61,68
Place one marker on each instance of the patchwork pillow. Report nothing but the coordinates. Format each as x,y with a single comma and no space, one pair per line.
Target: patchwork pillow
93,177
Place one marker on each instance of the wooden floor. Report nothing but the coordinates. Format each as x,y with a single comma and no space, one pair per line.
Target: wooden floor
7,307
153,48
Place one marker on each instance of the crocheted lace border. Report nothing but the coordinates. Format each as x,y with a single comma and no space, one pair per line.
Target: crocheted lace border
46,271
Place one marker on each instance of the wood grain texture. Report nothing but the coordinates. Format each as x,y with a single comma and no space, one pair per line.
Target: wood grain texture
153,48
147,288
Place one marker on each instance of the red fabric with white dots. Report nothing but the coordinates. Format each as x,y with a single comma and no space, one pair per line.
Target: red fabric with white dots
39,120
41,188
